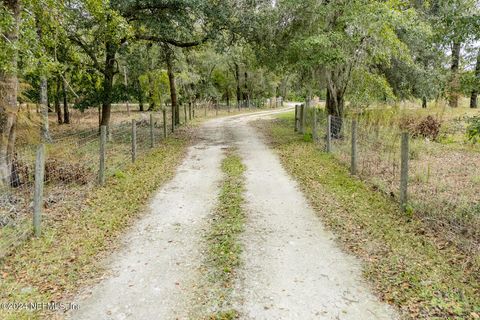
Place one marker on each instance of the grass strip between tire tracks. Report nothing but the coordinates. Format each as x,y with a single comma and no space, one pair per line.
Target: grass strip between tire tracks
223,246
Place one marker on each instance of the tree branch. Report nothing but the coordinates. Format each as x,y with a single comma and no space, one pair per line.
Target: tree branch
173,42
89,52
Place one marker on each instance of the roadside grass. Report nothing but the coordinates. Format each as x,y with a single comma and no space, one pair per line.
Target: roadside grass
442,178
401,256
222,241
66,257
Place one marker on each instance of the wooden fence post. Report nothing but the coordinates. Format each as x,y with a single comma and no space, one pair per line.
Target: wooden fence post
314,126
185,113
134,140
329,133
38,193
404,172
296,118
164,113
303,117
103,144
353,165
152,134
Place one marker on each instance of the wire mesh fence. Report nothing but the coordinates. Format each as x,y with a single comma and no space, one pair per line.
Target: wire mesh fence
71,169
441,182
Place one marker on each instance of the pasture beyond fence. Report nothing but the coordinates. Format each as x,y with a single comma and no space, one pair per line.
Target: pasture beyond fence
434,182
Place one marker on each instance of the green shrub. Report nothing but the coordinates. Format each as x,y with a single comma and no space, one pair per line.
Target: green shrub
473,129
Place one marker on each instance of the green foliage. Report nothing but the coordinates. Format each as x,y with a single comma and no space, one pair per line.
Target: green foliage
469,82
156,84
473,129
368,87
6,47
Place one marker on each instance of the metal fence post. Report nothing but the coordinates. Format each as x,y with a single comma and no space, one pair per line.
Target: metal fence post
134,140
164,111
103,143
329,133
314,126
38,193
404,171
353,165
152,135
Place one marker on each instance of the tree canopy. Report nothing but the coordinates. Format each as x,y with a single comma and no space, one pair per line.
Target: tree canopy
162,53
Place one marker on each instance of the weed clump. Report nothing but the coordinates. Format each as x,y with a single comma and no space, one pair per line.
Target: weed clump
428,127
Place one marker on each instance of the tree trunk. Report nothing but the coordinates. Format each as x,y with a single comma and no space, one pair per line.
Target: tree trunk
245,94
58,109
474,96
455,81
151,105
335,106
109,73
140,96
308,98
424,102
8,95
173,89
283,87
66,111
237,78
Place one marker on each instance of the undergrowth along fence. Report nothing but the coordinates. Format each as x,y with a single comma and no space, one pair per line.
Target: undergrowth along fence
436,183
56,174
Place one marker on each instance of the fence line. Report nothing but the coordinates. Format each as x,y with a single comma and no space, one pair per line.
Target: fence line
80,160
436,182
